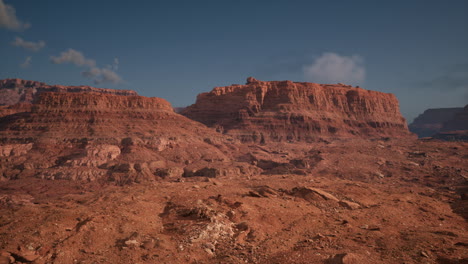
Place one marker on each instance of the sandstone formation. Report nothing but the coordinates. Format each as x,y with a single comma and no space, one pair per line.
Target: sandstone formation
13,91
431,121
298,111
192,195
94,135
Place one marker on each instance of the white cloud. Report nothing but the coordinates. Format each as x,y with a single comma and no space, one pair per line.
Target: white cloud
333,68
108,75
26,63
98,75
29,45
102,75
74,57
8,18
92,73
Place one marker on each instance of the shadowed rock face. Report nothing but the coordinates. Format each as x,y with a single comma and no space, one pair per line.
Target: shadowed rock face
458,122
432,121
455,128
294,111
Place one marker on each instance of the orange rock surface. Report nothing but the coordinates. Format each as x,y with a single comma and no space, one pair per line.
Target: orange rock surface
293,111
96,177
91,136
13,91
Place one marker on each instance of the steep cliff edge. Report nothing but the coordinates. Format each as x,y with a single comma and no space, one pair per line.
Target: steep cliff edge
431,121
298,111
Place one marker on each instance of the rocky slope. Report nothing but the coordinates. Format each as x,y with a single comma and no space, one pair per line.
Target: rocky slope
431,121
292,111
367,202
122,138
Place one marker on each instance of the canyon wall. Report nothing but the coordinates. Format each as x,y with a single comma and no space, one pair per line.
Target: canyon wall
298,111
112,137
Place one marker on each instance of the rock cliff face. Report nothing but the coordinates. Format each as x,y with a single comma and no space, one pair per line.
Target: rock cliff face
431,121
122,138
71,115
458,122
297,111
13,91
455,128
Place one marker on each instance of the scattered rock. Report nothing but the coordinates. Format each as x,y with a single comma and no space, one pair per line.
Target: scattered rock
417,154
305,190
6,258
203,172
132,243
379,174
349,258
263,191
28,255
370,227
349,205
254,194
209,248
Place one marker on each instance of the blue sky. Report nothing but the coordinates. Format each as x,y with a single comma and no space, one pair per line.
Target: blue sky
417,50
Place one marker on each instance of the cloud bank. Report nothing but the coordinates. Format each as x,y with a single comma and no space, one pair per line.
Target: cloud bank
29,45
98,75
9,20
333,68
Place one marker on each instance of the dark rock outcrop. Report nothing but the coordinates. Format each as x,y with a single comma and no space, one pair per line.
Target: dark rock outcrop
432,121
456,128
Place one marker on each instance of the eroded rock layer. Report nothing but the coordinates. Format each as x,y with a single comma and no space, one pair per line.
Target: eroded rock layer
91,136
13,91
298,111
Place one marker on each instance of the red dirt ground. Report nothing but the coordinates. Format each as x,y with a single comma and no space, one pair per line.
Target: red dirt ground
362,201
